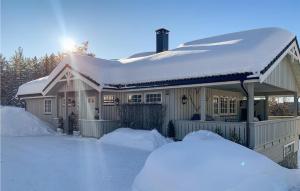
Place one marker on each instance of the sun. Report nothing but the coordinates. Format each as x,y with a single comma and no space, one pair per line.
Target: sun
68,44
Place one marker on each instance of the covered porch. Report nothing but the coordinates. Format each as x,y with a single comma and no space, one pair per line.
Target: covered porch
270,135
78,105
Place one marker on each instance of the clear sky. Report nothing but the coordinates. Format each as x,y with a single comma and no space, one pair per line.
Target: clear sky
118,28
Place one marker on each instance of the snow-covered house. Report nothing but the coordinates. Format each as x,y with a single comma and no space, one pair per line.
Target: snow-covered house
214,81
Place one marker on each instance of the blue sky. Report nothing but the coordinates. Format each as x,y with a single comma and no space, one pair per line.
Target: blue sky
116,29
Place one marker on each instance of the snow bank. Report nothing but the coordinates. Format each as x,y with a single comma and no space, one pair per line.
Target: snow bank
132,138
17,122
205,161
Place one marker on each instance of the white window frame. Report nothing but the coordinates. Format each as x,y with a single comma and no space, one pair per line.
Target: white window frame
288,146
235,108
109,103
227,103
218,106
47,112
148,93
132,94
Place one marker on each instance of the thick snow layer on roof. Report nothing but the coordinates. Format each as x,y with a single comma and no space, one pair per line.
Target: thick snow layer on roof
203,161
141,54
133,138
33,87
246,51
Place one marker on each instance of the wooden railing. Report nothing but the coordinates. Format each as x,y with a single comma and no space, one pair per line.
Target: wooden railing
228,130
97,128
268,133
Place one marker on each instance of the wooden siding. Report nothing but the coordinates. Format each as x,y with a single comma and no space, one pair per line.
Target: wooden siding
171,99
283,76
227,129
97,128
36,107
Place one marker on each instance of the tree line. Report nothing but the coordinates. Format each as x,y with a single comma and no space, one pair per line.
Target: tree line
19,69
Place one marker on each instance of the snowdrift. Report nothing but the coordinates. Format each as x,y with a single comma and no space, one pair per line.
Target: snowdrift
137,139
17,122
205,161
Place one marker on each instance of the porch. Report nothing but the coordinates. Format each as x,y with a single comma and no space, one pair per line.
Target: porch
265,133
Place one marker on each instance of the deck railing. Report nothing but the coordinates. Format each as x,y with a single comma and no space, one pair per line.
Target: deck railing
97,128
268,133
227,129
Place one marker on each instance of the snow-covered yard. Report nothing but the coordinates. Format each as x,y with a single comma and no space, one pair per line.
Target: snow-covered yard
35,158
65,163
39,159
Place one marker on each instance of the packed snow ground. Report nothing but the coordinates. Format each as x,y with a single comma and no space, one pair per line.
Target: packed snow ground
63,163
34,158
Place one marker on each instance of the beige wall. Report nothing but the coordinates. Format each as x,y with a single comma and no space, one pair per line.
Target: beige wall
36,107
171,99
283,76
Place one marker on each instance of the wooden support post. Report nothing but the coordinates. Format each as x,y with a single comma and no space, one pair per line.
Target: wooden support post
250,116
267,108
100,105
66,123
203,103
295,105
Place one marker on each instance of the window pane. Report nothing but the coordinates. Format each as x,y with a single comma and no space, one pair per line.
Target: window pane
109,99
135,98
47,106
153,98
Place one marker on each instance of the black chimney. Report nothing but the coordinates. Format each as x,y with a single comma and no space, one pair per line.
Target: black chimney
162,40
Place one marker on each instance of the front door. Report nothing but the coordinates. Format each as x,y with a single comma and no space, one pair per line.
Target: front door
91,105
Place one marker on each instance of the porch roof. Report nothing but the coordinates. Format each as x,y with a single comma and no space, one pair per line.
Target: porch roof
247,54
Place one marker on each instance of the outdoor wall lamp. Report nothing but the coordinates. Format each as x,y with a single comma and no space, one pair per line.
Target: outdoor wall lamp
184,99
117,101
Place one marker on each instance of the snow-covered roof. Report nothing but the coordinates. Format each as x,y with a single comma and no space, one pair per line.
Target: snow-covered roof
235,53
33,87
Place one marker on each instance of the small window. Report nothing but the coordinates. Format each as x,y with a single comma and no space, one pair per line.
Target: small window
134,98
48,106
216,105
108,99
153,98
288,149
232,106
224,105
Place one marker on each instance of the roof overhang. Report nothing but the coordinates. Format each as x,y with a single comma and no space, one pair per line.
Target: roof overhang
291,49
211,80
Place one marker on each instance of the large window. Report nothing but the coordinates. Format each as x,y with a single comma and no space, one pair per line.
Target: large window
232,106
224,105
108,99
48,106
134,98
153,98
216,105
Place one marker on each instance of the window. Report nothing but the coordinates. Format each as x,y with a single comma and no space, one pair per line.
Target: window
288,149
224,105
232,106
216,105
134,98
108,99
48,106
153,98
